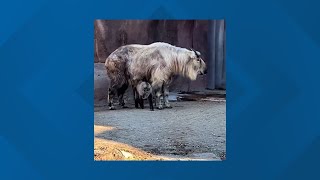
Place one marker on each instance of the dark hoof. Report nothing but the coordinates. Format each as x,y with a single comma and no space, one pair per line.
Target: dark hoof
151,109
124,107
169,107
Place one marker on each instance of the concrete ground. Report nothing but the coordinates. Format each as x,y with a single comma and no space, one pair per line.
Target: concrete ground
193,130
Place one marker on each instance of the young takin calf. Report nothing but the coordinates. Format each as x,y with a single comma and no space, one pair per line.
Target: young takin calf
141,91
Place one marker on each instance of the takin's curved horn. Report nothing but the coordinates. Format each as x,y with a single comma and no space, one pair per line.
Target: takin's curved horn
196,52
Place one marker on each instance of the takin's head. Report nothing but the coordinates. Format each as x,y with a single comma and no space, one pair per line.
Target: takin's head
144,89
195,65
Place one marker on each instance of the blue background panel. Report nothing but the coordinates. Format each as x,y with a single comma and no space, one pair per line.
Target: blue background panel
46,56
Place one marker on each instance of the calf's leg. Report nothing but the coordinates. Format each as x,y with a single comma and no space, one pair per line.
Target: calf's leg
151,102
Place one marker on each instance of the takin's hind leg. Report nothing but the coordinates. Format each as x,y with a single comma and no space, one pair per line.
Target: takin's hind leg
120,93
141,103
110,99
135,97
121,101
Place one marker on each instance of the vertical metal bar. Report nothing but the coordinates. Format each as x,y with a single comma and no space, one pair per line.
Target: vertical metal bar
219,53
224,57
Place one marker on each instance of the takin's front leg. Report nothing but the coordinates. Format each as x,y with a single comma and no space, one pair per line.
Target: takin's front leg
159,99
165,89
141,103
157,86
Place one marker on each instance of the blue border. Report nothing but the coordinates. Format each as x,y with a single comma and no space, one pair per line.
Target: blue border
46,53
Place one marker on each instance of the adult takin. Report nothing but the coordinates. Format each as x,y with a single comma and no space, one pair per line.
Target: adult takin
157,63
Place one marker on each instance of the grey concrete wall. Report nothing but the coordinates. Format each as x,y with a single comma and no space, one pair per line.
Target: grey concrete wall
101,84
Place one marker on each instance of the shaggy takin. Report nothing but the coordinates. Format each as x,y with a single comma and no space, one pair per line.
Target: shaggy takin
157,63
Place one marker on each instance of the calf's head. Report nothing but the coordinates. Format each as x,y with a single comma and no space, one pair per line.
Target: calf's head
144,89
